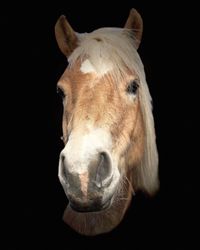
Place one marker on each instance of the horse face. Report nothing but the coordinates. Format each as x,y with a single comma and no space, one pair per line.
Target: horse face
108,127
101,125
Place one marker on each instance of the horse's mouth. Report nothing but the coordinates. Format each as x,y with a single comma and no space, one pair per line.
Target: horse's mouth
95,207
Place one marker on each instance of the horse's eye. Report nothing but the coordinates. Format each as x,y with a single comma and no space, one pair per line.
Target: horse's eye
132,87
60,92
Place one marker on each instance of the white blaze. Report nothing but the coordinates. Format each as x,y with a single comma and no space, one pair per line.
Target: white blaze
86,67
101,68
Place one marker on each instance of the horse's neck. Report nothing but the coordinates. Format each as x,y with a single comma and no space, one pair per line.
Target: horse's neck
103,221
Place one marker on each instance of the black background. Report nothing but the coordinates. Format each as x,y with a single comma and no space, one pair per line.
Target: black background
32,64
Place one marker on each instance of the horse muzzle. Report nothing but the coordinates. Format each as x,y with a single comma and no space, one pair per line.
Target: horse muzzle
87,188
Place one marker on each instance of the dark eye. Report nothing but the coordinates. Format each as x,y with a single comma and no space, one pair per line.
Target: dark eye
132,87
60,92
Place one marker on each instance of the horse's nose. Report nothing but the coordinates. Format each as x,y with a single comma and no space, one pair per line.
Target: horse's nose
84,185
99,172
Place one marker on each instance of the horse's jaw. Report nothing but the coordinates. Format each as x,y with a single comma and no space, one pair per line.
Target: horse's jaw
94,223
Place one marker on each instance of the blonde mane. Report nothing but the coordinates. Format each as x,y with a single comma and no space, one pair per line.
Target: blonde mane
115,49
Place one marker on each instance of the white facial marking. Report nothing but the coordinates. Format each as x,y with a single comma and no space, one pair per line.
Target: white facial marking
86,67
80,150
101,69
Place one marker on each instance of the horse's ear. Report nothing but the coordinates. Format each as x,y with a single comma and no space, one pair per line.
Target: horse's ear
65,36
135,23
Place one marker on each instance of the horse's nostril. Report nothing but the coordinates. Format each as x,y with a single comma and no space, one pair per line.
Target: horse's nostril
103,170
64,172
62,158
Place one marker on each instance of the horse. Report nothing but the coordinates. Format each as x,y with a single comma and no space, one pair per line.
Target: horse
110,150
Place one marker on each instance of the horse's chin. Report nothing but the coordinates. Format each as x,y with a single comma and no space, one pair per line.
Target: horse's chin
103,220
104,206
90,223
97,222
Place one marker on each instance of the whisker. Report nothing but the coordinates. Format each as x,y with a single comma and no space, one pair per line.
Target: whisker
130,184
123,199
